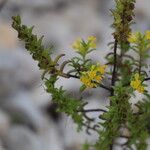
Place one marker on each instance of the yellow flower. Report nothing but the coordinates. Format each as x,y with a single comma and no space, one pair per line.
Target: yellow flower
77,44
91,74
147,35
94,76
137,83
98,78
87,81
99,68
92,41
84,47
133,37
141,89
102,69
92,38
136,76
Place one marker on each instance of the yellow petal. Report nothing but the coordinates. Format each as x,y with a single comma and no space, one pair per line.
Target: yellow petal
133,37
93,45
140,89
136,76
102,69
92,38
76,45
92,41
147,35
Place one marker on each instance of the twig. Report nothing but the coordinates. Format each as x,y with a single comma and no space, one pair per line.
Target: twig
77,77
73,76
113,80
105,87
89,128
146,79
140,64
92,110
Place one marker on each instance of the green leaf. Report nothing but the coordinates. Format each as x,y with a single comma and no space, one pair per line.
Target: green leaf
82,88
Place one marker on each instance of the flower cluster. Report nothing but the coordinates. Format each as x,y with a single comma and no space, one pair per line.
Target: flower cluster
137,36
92,42
137,83
133,37
94,76
123,14
140,42
84,47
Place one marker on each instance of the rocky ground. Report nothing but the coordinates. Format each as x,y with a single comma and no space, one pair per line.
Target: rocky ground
27,119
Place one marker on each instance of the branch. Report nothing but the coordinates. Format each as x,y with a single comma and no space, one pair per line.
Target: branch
77,77
105,87
147,79
113,80
92,110
73,76
94,128
140,64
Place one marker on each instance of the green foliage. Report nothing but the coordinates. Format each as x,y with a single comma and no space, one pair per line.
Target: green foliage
123,16
66,103
33,44
86,146
125,73
139,124
118,114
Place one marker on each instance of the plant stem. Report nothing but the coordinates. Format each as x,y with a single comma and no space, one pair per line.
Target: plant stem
105,87
140,63
77,77
92,110
113,80
146,79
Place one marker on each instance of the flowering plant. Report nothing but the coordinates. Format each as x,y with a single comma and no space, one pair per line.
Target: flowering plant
126,74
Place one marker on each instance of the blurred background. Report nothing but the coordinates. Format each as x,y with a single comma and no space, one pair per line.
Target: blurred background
28,120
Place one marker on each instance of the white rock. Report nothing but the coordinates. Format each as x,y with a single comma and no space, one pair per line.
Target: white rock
7,36
22,106
1,145
21,138
37,3
17,70
4,123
